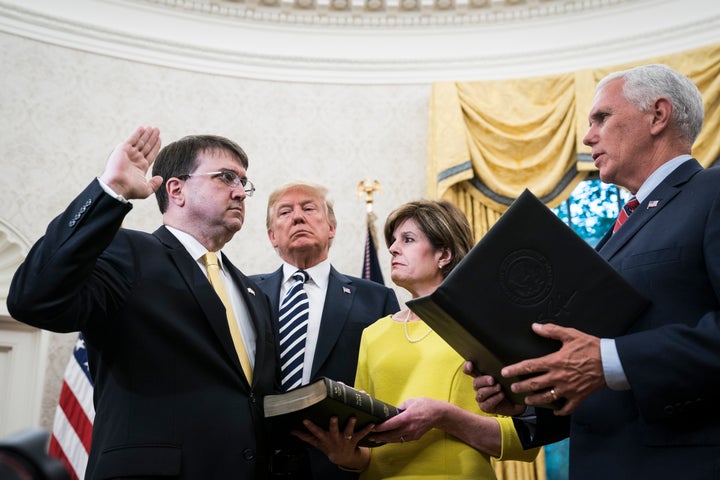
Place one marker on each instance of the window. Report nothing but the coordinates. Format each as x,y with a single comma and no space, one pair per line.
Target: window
592,208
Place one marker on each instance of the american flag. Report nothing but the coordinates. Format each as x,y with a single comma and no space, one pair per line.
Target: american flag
371,264
74,415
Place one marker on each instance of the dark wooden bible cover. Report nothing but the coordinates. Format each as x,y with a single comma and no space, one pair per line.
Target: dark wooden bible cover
529,267
322,399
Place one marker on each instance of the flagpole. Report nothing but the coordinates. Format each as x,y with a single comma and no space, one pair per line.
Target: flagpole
371,266
367,188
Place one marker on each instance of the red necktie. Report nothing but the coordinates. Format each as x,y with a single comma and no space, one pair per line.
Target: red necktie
625,212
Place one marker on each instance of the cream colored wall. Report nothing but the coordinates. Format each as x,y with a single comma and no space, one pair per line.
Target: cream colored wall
64,110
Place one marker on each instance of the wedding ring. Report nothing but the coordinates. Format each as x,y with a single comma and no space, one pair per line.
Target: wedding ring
348,437
402,440
553,394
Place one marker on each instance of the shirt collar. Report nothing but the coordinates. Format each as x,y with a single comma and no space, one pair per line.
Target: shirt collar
318,273
192,245
659,175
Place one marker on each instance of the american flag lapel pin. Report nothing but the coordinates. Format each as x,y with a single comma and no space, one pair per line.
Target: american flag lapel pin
346,290
251,291
652,204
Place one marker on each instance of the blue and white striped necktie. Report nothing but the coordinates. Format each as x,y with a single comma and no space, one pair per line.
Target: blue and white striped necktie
294,314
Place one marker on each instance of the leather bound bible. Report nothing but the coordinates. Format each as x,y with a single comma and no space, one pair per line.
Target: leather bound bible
529,267
322,399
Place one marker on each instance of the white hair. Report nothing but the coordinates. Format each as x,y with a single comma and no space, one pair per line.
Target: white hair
645,84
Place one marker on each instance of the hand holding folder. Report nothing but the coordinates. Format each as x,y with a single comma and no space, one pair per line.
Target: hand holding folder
528,268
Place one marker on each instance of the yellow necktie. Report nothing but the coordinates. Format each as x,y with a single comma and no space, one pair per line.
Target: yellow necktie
211,262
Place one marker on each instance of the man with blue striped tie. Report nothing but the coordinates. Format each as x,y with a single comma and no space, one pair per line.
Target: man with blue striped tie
323,332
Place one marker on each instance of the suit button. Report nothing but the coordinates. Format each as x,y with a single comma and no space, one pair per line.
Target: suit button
249,454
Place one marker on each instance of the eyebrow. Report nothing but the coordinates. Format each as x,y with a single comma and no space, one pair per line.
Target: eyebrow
600,112
302,203
226,169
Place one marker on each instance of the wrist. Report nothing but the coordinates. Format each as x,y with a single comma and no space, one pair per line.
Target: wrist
357,463
111,191
445,416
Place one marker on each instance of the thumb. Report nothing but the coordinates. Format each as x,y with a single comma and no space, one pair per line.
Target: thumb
155,182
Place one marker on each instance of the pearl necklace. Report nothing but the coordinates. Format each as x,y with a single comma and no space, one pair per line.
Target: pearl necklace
407,334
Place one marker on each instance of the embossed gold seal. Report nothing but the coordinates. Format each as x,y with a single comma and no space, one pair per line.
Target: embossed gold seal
526,277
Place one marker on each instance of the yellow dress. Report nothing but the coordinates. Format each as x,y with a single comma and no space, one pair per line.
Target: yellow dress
393,369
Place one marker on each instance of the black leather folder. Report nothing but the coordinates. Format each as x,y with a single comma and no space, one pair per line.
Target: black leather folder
529,267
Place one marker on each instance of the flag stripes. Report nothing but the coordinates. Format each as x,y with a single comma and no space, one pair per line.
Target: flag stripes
74,415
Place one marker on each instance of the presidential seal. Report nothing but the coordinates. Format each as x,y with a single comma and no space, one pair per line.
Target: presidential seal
526,277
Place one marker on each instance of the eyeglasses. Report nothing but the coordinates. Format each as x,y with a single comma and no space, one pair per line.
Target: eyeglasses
229,178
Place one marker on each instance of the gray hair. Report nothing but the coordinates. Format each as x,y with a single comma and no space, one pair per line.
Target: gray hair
645,84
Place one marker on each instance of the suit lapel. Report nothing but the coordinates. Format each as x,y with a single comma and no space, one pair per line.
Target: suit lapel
271,286
658,199
338,301
203,292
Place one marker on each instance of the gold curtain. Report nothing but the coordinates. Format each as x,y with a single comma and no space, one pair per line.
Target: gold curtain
489,140
515,470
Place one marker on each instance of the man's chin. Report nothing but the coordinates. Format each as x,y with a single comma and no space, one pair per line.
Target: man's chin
605,177
235,225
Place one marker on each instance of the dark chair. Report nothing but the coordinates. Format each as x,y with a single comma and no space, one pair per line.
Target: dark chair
23,456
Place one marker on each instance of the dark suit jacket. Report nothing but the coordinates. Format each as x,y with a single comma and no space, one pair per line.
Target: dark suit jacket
170,394
351,304
666,426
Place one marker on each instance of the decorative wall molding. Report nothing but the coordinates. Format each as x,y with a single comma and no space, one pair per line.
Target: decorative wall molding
387,13
13,249
287,42
23,362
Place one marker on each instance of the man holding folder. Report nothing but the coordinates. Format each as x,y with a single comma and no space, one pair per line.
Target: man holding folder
642,405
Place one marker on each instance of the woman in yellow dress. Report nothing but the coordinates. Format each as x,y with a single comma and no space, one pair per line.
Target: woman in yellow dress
441,433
